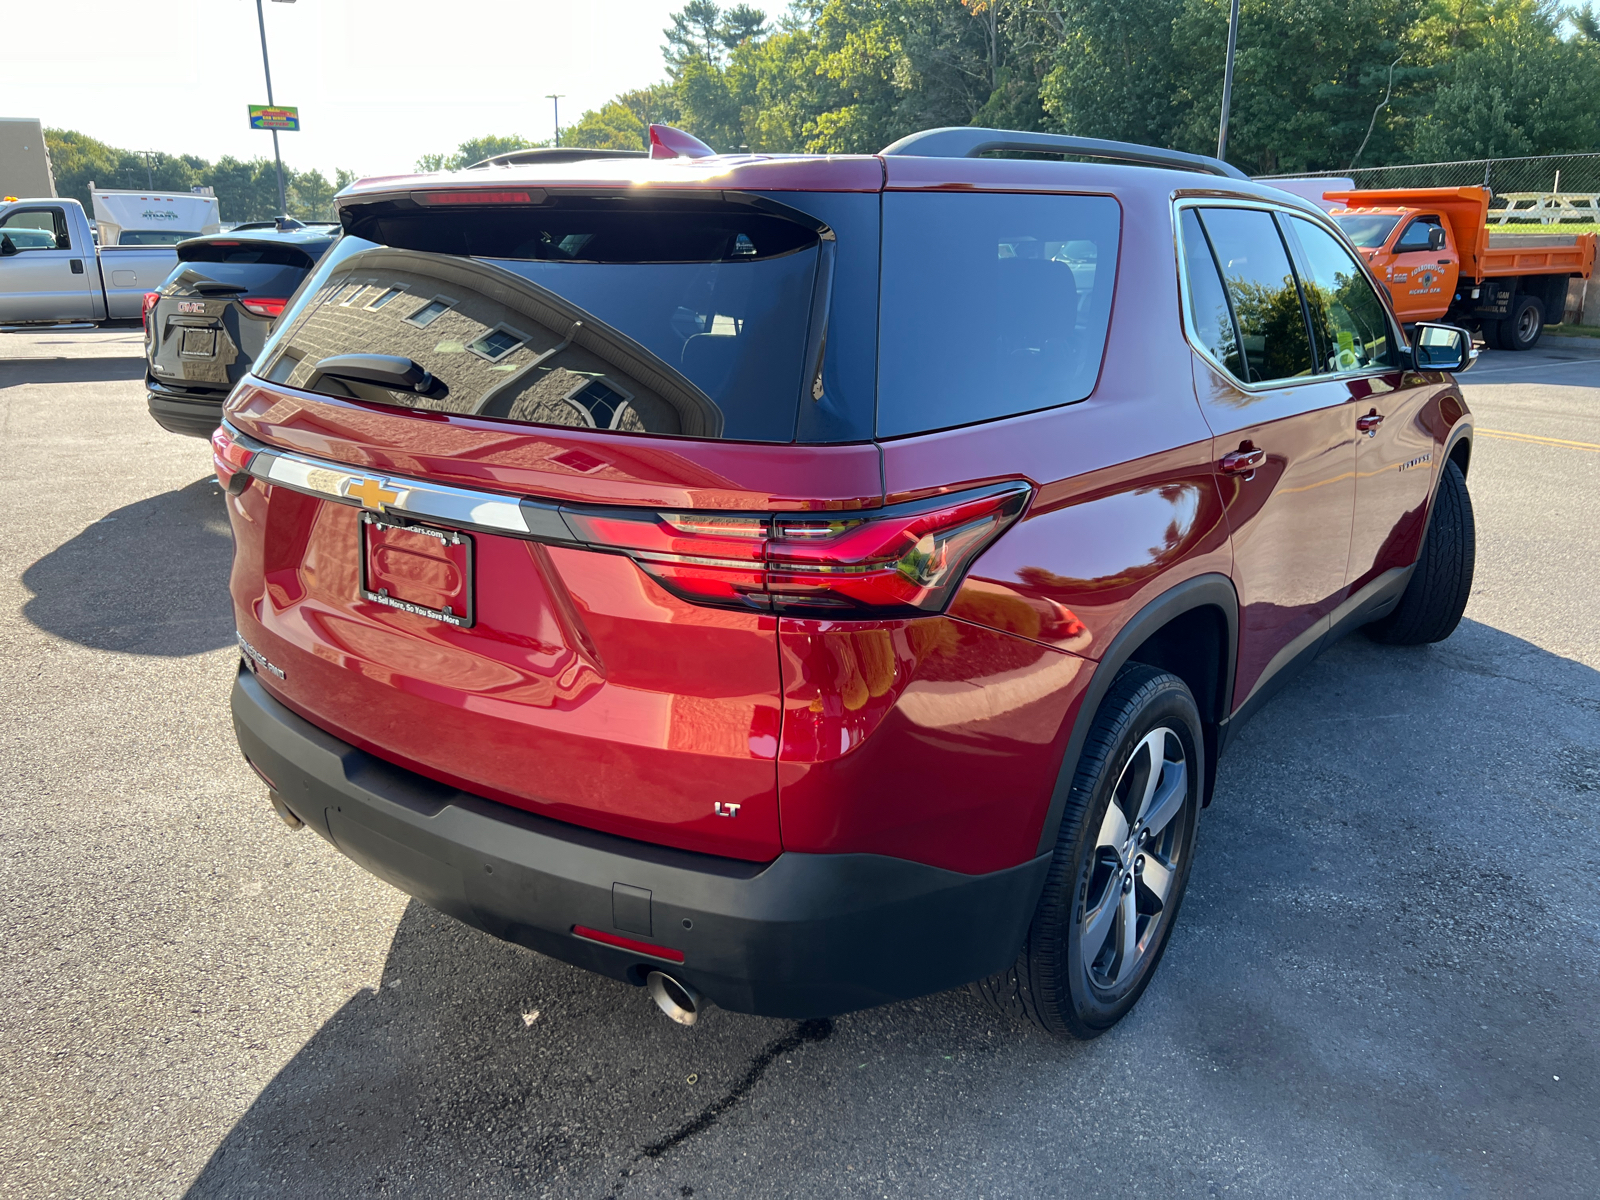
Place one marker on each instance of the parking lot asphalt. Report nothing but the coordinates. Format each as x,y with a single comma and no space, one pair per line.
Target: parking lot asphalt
1383,981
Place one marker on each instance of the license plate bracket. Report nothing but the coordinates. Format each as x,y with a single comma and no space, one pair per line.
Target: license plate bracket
419,569
198,343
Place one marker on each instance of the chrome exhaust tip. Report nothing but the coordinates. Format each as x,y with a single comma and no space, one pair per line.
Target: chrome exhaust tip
674,997
282,809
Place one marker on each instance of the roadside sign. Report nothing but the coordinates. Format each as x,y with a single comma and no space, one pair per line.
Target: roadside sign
264,116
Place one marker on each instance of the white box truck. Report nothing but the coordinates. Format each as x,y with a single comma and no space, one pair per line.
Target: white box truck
149,218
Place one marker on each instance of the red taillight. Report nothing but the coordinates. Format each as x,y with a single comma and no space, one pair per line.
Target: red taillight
264,308
904,560
150,299
228,456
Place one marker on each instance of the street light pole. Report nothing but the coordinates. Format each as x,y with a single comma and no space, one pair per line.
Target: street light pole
1227,81
556,101
283,196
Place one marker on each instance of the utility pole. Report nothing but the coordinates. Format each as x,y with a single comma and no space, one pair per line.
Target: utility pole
1227,82
283,196
556,101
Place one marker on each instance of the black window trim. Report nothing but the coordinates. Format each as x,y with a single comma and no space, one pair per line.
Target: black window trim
1198,345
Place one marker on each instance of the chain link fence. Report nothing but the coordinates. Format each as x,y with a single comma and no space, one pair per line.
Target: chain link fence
1547,189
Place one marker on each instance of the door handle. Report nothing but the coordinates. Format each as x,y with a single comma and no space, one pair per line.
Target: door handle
1445,262
1242,461
1369,423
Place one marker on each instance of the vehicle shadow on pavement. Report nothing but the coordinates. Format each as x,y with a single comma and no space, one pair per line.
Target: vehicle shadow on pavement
1374,982
15,372
439,1070
150,578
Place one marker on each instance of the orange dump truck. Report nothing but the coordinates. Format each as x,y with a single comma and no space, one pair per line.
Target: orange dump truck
1433,250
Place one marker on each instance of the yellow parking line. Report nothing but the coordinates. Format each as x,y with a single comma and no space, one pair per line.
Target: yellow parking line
1543,441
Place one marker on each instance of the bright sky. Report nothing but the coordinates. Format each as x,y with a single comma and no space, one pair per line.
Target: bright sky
377,82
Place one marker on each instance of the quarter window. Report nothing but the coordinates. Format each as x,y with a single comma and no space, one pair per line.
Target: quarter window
992,305
1210,315
1261,287
1347,318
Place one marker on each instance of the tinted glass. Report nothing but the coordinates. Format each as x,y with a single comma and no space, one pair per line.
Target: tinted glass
254,252
691,321
1347,318
1368,232
991,305
1209,314
1416,234
258,279
153,237
1260,282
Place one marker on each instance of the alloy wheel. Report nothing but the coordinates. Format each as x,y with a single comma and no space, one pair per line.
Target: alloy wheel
1131,869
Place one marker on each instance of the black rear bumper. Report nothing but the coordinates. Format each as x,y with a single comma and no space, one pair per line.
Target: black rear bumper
806,935
188,414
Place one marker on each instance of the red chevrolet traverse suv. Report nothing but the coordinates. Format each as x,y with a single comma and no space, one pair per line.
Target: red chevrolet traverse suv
802,583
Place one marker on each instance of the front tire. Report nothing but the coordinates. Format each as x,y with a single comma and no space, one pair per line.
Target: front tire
1434,600
1121,863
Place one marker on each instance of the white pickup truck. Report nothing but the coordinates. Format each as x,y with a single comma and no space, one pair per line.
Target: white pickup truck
52,271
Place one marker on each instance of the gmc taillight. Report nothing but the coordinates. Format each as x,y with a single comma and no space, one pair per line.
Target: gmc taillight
150,300
904,560
264,307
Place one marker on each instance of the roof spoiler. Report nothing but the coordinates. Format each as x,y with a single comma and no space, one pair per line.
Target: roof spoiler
964,141
546,155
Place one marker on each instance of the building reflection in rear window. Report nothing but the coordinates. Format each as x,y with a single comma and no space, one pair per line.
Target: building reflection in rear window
556,326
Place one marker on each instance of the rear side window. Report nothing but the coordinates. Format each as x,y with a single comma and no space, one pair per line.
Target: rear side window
154,237
1261,289
691,318
991,305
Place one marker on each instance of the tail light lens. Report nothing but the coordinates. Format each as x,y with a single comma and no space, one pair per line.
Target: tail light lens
228,456
264,307
150,299
905,560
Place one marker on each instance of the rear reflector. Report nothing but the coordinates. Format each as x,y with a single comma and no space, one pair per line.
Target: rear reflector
229,457
905,560
649,949
263,307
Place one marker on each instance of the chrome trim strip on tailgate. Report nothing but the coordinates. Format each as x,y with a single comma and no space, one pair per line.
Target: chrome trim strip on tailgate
379,492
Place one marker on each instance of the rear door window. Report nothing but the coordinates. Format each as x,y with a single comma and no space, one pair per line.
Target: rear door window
1347,318
692,318
1262,291
991,305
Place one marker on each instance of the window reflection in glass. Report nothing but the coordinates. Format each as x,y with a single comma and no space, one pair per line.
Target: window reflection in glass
497,345
1209,314
1261,284
1347,317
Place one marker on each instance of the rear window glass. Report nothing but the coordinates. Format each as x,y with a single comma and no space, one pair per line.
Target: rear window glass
690,320
253,252
992,305
258,279
154,237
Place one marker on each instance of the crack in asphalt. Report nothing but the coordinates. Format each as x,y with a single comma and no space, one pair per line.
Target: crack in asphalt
805,1031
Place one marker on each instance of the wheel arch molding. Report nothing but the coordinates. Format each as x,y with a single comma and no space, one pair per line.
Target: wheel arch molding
1178,632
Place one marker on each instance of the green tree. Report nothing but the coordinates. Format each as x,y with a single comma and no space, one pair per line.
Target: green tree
475,150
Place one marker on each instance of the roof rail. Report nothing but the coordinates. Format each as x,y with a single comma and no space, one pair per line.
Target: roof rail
965,141
547,155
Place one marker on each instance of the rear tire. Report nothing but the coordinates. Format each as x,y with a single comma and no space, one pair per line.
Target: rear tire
1524,323
1121,862
1434,600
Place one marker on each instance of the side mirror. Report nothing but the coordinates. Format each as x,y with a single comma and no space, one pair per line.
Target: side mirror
1443,348
1435,237
7,246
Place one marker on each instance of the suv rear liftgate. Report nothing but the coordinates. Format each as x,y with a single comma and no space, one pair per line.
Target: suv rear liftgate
467,570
